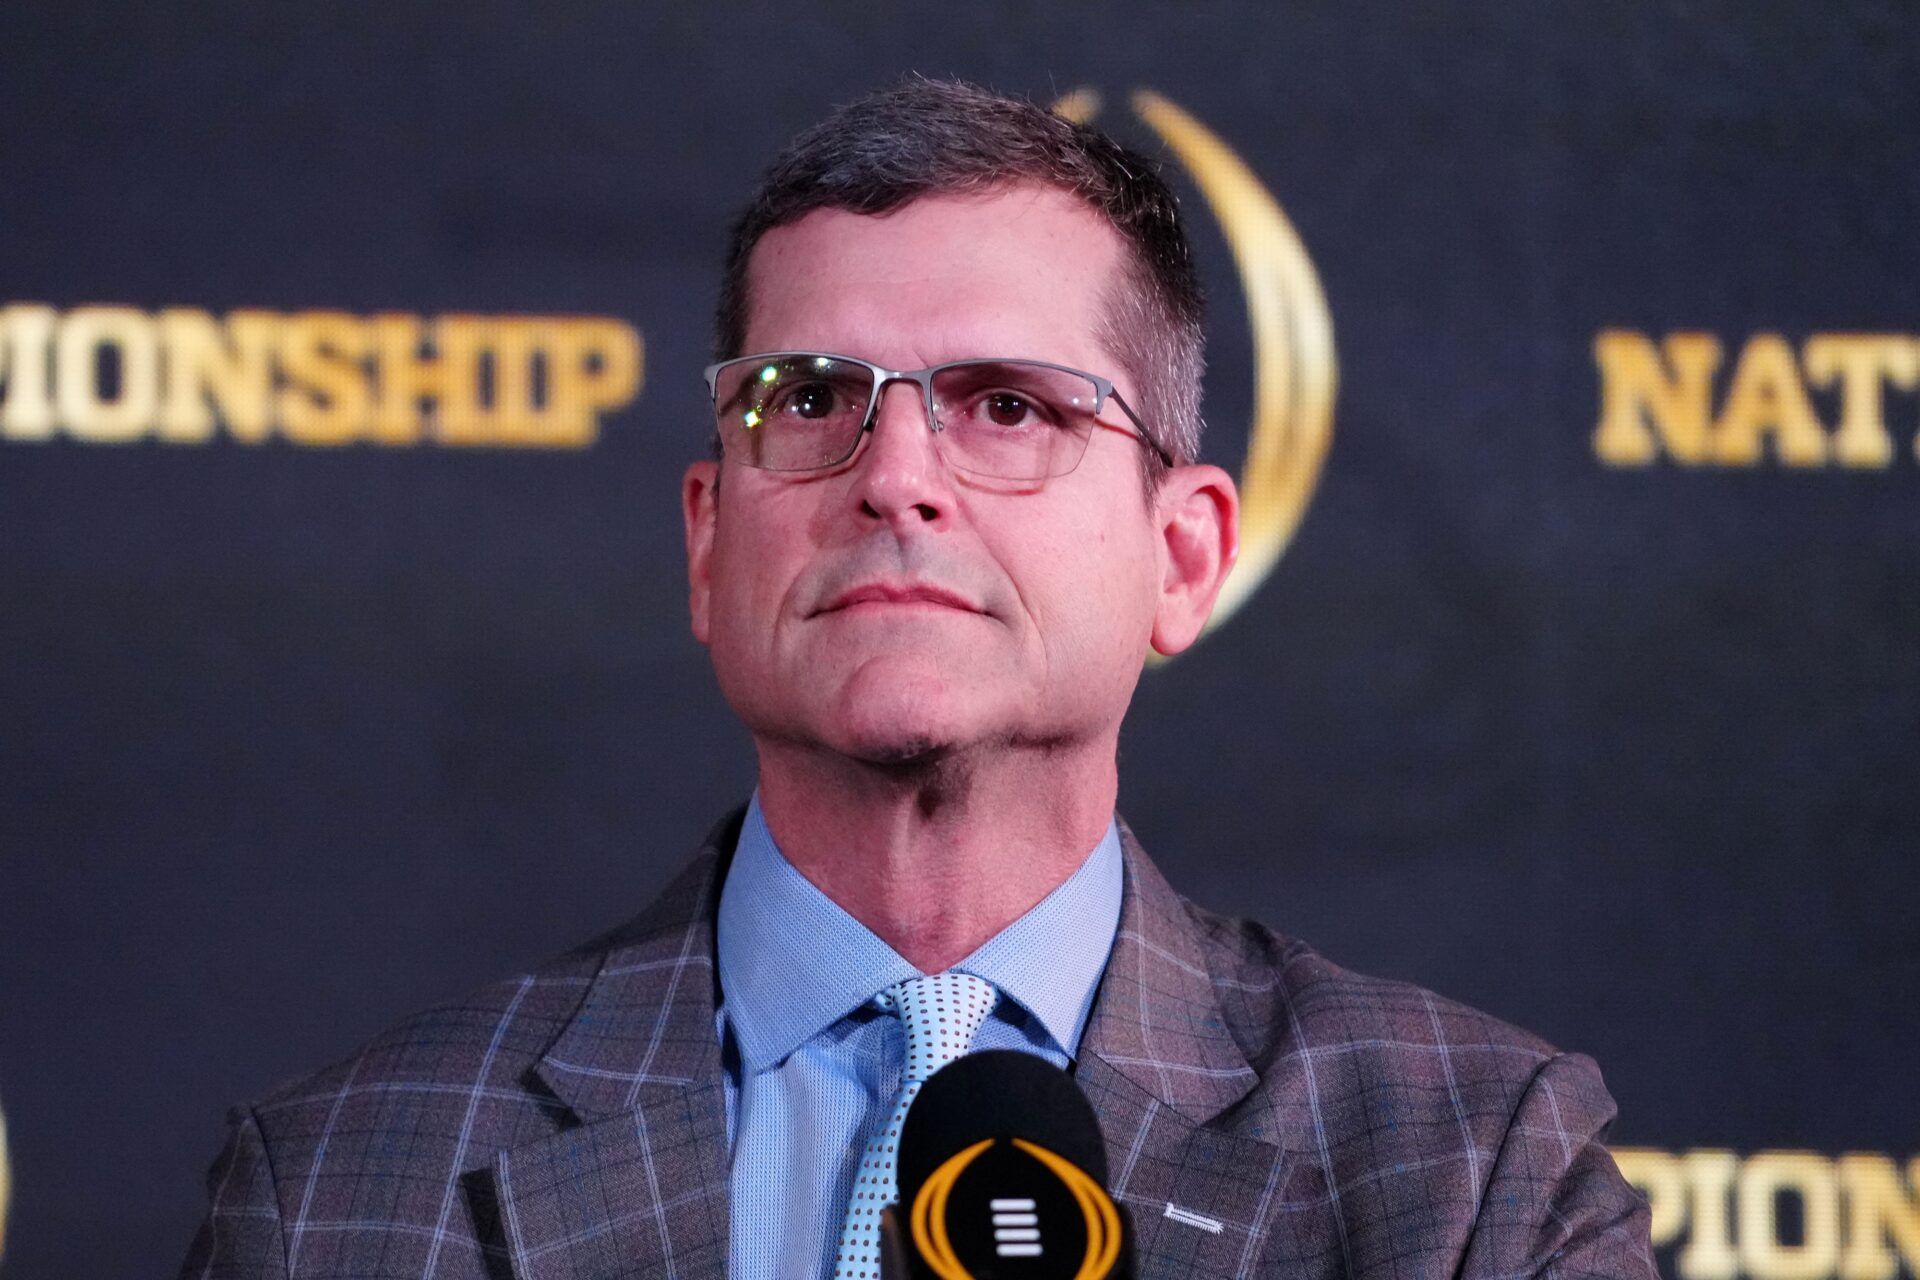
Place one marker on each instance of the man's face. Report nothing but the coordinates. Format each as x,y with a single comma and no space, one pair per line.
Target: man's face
890,608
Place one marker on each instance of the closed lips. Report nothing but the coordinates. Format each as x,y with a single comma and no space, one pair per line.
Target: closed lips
891,593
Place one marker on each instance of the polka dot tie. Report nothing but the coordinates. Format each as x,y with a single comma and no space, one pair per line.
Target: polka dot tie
941,1014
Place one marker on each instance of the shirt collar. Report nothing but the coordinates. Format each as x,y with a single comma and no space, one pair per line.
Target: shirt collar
793,962
1051,958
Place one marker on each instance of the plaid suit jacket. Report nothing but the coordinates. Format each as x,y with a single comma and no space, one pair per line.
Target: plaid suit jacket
1267,1114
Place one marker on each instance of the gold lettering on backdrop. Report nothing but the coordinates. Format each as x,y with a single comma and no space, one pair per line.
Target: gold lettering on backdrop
1709,1254
325,400
445,373
1883,1213
1727,1216
1648,401
115,375
26,336
1657,400
590,368
1862,363
115,333
1764,1180
1767,400
217,368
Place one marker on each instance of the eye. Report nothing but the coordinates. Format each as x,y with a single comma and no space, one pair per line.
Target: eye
809,400
1009,409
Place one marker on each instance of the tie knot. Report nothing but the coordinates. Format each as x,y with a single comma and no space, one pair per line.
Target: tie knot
941,1013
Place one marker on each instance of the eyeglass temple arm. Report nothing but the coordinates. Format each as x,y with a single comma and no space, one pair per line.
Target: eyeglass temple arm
1139,426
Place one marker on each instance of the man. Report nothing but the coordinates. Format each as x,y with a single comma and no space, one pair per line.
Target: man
956,503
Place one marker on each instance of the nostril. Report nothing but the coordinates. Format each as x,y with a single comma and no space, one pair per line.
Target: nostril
927,511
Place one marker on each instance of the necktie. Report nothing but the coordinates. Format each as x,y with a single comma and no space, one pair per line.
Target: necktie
941,1014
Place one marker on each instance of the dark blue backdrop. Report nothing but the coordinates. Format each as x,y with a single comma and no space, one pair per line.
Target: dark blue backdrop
293,741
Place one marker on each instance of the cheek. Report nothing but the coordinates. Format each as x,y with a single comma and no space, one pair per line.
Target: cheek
1090,586
749,578
742,642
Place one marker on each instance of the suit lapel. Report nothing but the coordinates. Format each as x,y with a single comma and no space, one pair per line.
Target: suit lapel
638,1186
642,1193
1165,1076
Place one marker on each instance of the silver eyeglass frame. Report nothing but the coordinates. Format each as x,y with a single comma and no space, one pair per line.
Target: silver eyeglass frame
923,378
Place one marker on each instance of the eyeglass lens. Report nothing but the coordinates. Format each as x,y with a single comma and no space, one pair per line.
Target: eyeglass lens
1002,418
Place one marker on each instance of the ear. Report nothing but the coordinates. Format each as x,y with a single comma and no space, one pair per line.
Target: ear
1197,511
699,508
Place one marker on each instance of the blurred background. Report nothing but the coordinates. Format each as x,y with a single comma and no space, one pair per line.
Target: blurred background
350,356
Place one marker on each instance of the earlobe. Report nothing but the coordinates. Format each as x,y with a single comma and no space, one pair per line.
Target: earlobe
1198,512
699,509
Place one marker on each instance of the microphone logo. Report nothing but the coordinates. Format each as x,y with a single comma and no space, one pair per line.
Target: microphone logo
1016,1228
1031,1197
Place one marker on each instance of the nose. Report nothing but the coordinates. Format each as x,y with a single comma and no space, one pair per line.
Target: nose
900,477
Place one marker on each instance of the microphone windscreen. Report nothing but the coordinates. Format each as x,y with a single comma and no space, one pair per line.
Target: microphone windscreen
998,1093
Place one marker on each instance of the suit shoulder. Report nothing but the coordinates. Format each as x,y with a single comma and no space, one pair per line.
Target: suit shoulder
497,1030
373,1136
1282,999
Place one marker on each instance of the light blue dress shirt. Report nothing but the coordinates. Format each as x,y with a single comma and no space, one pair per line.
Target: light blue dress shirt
813,1068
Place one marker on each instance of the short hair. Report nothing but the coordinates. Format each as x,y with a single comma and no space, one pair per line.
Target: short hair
925,137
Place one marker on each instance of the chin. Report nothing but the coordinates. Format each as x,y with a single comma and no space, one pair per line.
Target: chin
897,712
899,752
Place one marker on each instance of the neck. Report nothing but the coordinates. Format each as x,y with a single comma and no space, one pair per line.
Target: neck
936,857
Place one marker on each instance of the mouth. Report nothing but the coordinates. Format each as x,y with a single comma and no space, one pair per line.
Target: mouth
912,595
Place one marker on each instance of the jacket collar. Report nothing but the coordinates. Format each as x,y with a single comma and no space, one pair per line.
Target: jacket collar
639,1068
633,1182
1157,1020
648,1018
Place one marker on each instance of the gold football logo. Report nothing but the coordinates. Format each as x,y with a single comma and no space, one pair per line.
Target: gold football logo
1293,365
1100,1219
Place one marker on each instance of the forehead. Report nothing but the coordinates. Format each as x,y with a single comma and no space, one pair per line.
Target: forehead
1019,271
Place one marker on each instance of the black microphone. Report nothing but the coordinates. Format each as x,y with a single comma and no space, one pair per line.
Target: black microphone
1002,1175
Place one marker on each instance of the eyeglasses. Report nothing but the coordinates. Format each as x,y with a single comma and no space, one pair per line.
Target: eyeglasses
1003,419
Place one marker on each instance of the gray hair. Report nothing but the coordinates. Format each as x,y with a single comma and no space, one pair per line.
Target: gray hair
946,137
